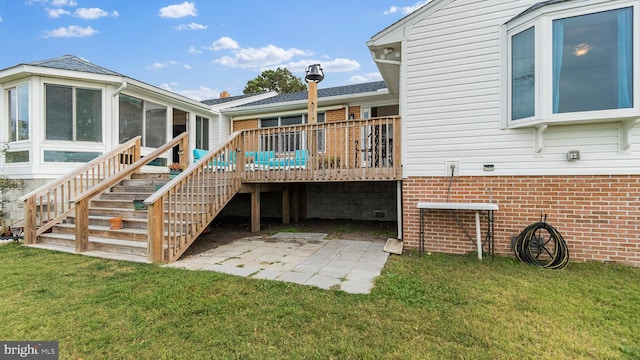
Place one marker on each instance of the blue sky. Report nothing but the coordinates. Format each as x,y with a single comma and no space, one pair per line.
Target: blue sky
202,47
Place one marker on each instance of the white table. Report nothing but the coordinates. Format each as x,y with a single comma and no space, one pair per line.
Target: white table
468,206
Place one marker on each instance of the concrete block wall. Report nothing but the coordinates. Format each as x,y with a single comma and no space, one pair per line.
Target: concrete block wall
598,216
352,200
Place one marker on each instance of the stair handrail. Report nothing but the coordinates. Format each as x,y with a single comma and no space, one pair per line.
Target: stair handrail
55,196
82,201
185,207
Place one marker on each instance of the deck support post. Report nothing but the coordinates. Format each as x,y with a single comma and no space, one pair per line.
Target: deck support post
255,208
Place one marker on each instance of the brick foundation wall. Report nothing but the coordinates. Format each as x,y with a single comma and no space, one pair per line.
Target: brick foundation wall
598,216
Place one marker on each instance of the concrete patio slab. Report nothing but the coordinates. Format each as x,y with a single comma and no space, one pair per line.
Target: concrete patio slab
302,258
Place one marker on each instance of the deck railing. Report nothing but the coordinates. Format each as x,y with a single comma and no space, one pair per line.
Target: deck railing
51,203
350,150
183,208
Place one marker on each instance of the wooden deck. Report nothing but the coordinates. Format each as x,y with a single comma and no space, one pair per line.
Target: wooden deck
250,160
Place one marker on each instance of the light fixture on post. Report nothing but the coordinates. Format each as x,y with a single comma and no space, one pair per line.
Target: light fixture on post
314,75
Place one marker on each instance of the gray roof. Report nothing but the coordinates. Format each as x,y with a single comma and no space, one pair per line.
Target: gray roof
537,6
73,63
227,99
326,92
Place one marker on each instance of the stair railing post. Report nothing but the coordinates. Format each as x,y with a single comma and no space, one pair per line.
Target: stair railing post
82,225
30,220
183,151
155,231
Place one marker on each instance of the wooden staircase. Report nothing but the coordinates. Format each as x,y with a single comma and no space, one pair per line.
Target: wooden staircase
128,243
72,213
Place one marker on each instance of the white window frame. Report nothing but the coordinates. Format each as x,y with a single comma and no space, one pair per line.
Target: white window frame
9,104
74,87
541,19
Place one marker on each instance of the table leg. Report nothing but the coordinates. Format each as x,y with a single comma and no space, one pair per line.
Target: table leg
421,237
478,235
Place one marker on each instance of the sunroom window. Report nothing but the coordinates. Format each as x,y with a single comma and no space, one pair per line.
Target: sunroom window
18,100
145,118
571,65
73,114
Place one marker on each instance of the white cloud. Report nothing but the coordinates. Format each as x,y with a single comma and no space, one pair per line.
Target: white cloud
187,67
179,10
192,26
259,58
64,3
406,10
56,13
162,65
71,31
224,43
202,93
365,78
0,18
193,50
92,13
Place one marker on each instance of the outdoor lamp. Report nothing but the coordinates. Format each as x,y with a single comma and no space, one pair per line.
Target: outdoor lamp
314,73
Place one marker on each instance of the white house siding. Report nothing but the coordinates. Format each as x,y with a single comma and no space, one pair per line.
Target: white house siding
453,104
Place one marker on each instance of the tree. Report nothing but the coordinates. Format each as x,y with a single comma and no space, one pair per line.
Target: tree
6,185
279,80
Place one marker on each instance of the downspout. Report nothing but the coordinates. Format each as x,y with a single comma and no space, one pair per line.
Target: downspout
122,87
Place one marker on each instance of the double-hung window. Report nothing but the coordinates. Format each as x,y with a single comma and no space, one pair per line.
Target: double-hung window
569,63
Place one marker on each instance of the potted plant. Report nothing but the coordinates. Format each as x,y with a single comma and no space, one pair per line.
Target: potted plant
175,168
115,222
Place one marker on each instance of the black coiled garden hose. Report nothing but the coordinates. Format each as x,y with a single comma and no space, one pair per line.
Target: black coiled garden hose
534,247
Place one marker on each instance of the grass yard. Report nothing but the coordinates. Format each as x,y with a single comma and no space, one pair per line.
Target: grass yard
437,306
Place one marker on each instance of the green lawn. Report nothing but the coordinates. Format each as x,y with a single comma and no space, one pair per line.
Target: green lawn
437,306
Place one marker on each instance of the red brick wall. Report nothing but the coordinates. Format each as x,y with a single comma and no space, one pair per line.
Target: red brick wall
598,216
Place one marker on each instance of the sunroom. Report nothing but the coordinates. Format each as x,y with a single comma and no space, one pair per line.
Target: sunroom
62,112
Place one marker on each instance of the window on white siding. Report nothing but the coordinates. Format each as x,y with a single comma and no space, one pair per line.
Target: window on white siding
523,79
593,61
202,132
73,114
18,100
580,63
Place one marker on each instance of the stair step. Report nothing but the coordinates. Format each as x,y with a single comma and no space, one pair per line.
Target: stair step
67,241
118,200
93,253
139,235
111,212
